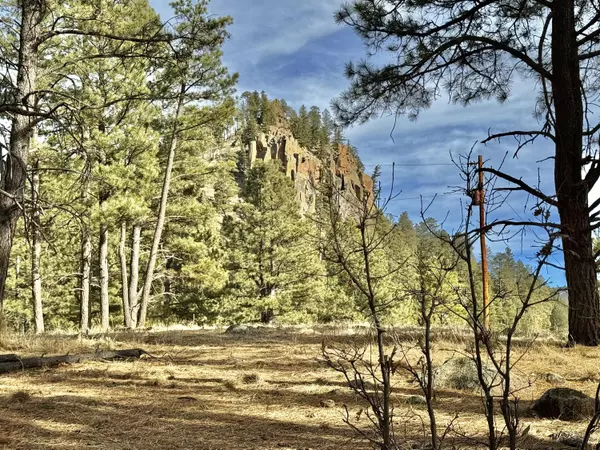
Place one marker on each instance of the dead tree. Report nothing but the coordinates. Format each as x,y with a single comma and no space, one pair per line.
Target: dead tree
432,272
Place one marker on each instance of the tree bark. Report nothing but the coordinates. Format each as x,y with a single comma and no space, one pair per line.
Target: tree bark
162,211
104,299
124,281
14,171
571,189
36,251
84,288
167,288
134,271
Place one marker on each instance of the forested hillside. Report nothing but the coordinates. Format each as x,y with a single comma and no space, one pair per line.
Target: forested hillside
235,246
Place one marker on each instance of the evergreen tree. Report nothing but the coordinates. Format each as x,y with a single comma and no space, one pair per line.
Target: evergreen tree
196,88
267,112
314,128
301,127
328,124
274,271
250,108
40,60
194,273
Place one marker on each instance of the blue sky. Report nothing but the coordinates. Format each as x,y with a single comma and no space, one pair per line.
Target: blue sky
294,50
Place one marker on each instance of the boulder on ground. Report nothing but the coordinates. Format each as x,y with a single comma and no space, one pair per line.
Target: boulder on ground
564,404
237,329
461,373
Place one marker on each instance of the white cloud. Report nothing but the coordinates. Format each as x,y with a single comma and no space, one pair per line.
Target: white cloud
267,28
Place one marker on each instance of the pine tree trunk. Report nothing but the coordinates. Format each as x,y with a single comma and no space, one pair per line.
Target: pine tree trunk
162,211
571,189
124,282
14,171
104,300
167,286
84,288
36,251
134,271
7,225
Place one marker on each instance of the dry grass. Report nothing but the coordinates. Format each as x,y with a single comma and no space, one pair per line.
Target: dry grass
209,390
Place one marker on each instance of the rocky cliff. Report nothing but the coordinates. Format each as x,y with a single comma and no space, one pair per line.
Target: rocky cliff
307,171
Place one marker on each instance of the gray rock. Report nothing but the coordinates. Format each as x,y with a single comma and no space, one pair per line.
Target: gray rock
416,400
564,404
461,373
554,378
237,329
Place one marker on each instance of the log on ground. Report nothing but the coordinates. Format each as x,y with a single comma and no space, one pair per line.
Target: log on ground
12,363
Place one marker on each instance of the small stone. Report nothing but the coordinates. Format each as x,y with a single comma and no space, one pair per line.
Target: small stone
237,329
554,378
327,403
416,400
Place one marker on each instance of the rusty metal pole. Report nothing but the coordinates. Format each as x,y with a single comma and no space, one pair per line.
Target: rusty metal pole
484,266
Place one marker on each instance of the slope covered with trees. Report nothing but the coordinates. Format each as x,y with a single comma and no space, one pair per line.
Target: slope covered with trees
137,204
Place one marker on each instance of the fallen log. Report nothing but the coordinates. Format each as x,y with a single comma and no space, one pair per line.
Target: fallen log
8,358
8,365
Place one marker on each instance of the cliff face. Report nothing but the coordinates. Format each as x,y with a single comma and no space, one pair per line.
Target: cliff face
306,170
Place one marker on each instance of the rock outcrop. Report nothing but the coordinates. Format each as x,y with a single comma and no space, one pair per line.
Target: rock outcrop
307,171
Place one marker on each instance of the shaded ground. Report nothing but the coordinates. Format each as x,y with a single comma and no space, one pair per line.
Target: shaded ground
209,390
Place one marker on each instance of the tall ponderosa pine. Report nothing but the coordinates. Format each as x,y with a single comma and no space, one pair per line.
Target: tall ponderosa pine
194,257
193,78
475,51
37,94
274,268
110,135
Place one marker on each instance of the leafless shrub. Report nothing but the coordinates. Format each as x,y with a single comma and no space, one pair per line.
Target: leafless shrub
487,348
355,235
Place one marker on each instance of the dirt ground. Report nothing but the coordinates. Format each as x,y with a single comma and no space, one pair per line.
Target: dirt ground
260,390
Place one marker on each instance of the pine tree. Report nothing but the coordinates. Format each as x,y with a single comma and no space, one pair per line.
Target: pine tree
197,89
274,270
250,112
203,184
267,112
328,124
41,60
301,127
314,128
